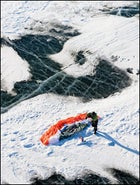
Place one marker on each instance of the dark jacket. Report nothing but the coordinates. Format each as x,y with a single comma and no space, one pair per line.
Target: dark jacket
94,118
94,123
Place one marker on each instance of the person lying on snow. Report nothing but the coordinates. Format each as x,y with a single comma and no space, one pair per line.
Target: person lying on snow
66,127
94,120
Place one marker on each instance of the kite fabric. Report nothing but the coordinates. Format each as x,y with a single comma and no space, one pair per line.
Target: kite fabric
53,133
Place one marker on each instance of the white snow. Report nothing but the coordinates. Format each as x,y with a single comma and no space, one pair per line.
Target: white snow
12,64
117,144
109,39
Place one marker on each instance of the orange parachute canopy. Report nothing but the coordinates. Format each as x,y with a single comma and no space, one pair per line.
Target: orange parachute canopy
54,128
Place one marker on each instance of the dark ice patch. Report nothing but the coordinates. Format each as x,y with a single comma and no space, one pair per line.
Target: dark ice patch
48,77
80,58
125,11
5,42
88,178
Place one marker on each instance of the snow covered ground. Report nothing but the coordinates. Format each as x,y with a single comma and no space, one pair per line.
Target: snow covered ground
117,143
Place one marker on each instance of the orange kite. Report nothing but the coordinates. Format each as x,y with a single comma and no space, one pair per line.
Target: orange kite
45,138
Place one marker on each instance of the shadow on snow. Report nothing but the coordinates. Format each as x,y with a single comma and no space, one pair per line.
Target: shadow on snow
113,142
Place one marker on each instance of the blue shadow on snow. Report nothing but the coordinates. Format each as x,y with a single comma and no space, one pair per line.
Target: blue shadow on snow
113,142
